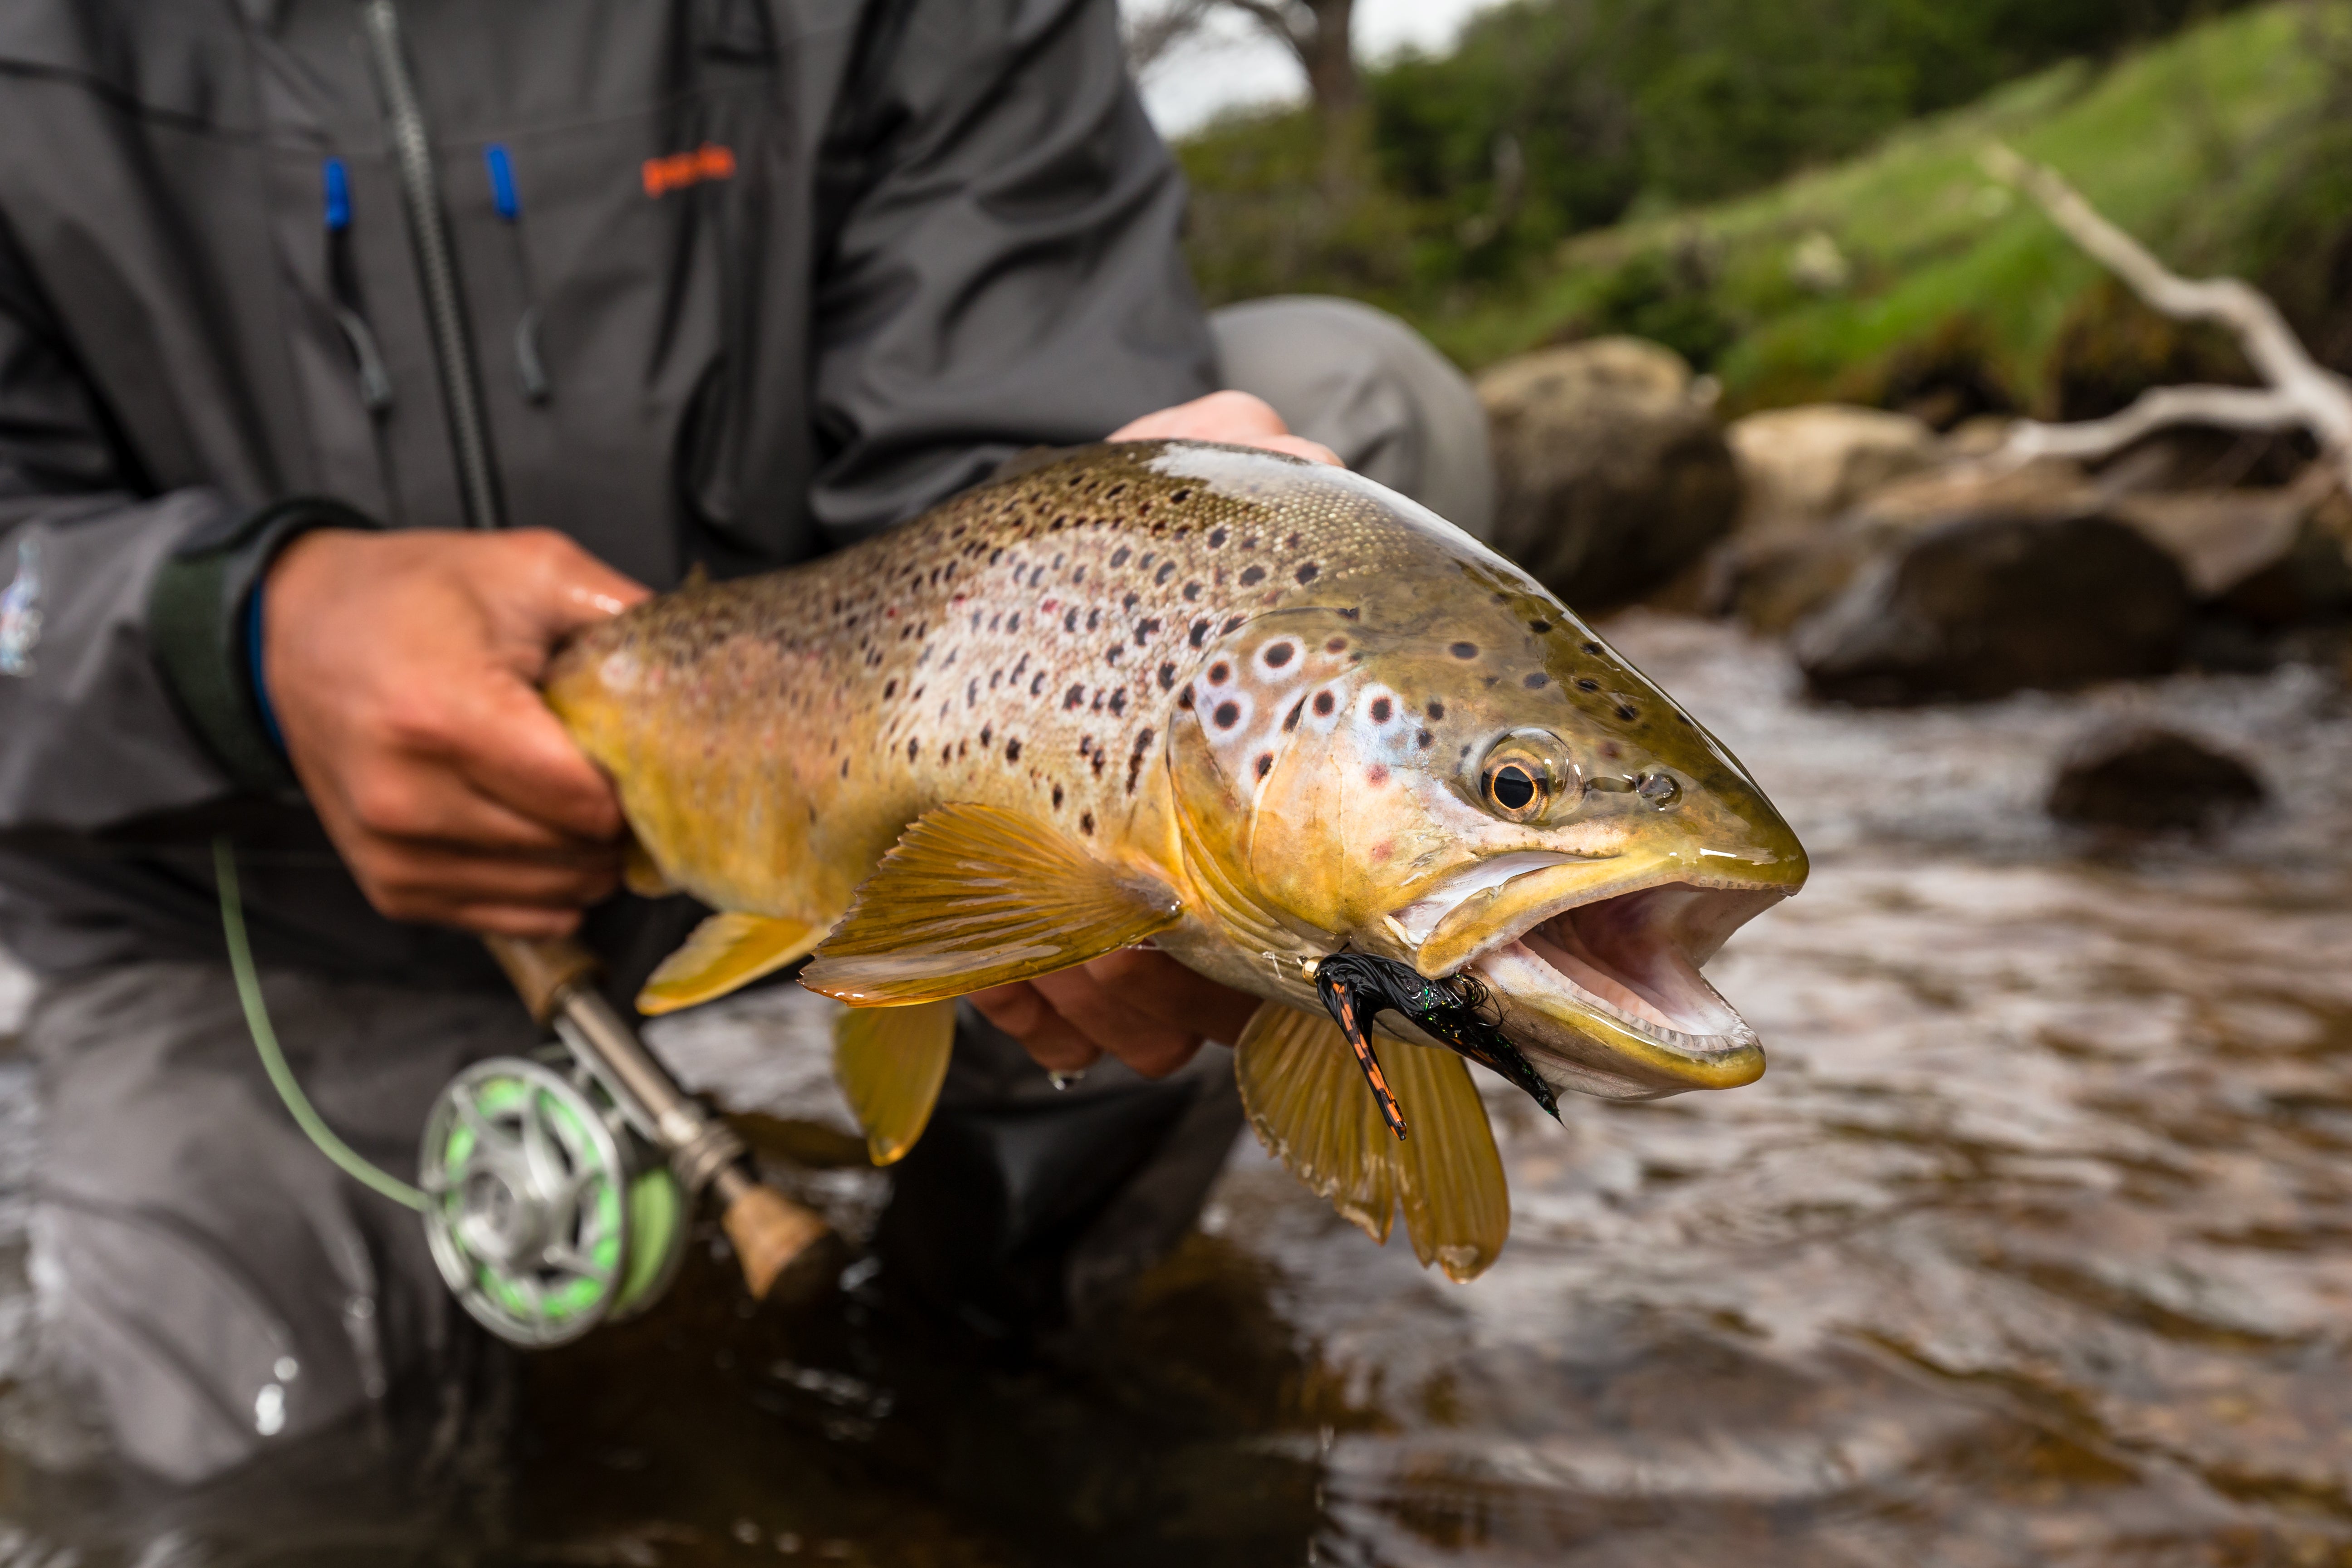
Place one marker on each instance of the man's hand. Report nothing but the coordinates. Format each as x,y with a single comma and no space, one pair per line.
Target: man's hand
403,670
1143,1007
1234,417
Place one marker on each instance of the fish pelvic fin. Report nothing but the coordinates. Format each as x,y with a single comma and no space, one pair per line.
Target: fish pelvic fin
641,875
1305,1097
890,1062
971,897
724,953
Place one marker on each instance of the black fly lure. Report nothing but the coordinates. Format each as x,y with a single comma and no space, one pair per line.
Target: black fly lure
1356,987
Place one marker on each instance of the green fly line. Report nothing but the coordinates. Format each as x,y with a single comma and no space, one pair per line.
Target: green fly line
273,1060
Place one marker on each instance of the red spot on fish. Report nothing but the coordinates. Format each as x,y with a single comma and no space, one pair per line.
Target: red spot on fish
1381,851
1377,774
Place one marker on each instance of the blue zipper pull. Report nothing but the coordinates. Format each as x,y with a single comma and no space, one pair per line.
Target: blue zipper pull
339,196
502,182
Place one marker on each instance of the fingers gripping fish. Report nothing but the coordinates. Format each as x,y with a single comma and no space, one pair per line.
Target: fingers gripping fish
1240,706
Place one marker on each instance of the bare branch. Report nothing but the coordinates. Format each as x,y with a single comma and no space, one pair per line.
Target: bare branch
2302,391
1151,35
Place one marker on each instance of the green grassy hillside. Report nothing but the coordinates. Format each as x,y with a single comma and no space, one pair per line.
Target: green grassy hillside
2227,148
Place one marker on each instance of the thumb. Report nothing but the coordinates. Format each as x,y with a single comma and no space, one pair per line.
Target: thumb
557,589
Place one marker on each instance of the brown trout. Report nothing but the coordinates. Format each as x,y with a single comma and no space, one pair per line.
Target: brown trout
1253,711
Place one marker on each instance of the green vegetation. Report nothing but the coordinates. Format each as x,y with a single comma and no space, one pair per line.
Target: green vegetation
1903,272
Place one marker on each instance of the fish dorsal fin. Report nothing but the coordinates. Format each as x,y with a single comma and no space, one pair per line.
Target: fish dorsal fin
724,953
1456,1200
890,1062
972,897
1305,1097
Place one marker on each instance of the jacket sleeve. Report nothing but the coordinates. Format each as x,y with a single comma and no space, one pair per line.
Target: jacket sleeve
122,691
1003,268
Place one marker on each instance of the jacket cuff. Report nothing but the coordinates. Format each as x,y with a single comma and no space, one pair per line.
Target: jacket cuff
197,630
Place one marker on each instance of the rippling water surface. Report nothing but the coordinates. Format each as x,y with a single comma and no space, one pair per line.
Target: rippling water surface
2034,1246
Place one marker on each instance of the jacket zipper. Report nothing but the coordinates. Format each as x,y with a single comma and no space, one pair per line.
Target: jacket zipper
438,268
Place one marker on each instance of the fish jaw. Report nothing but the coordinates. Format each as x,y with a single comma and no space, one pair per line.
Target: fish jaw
1593,964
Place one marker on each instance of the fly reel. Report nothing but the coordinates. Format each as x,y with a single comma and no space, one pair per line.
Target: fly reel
546,1213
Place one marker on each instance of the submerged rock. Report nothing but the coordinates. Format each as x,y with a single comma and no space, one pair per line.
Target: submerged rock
1611,473
1983,606
2152,780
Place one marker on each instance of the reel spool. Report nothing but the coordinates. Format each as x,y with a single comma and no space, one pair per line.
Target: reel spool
545,1212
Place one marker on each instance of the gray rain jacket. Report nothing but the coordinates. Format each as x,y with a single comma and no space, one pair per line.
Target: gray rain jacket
728,281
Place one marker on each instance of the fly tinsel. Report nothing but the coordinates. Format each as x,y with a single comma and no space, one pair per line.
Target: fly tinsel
1456,1011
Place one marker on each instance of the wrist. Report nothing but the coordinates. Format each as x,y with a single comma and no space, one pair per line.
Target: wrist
205,623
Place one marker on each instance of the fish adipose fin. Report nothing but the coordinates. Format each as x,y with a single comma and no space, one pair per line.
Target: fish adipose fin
972,897
725,952
890,1062
1305,1095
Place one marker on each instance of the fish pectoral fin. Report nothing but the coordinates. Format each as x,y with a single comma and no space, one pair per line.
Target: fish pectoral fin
725,952
1307,1097
1456,1200
890,1062
971,897
641,875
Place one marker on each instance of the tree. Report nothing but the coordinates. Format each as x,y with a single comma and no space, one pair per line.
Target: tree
1318,34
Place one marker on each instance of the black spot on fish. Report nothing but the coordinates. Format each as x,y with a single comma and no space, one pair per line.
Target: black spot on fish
1280,654
1540,628
1220,672
1074,696
1184,698
1128,601
1234,622
1144,630
1592,647
1227,715
1217,540
1118,701
1463,650
1434,709
1380,710
1352,614
1290,720
1322,705
1537,681
1180,497
1087,824
1252,576
1094,620
1058,797
1013,623
890,689
1337,645
1012,750
1037,683
1167,570
1167,676
1308,572
1626,713
910,750
988,734
1265,763
1119,557
972,693
1588,686
1200,633
844,767
1070,622
1192,592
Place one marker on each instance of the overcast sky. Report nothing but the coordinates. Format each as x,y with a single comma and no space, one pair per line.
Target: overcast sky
1239,64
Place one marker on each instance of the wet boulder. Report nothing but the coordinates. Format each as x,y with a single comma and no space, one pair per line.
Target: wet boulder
1982,606
1774,574
1804,466
1611,473
2151,779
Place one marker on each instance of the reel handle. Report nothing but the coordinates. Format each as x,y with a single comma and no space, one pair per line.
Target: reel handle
555,978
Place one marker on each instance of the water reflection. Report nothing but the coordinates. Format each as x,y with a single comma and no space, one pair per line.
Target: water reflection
2034,1245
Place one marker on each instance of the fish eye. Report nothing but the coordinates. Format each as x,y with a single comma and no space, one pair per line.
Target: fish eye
1527,776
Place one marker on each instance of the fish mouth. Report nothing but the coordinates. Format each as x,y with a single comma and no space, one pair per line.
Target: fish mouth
1599,986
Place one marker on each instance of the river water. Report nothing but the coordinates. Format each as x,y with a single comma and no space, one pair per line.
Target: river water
2034,1245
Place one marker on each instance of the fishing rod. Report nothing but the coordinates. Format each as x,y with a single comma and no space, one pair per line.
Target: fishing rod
555,1190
